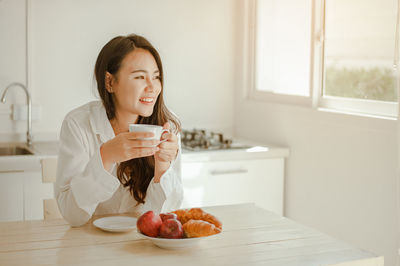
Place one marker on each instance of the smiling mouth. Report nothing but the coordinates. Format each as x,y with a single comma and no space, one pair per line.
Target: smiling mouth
146,100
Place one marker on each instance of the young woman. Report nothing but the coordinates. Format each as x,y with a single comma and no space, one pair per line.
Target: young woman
103,168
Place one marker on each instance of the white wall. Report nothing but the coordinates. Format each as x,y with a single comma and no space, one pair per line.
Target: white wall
12,59
341,175
195,40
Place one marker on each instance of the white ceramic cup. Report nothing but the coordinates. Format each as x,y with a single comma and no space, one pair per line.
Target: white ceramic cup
157,130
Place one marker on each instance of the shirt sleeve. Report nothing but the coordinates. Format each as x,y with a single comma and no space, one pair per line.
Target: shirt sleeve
82,182
168,194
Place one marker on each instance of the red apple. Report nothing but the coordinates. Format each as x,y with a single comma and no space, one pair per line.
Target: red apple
169,215
149,224
171,228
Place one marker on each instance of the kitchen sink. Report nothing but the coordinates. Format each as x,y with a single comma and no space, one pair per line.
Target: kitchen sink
14,150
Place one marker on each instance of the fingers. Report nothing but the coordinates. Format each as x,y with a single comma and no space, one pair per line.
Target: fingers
144,143
164,157
171,137
168,151
169,148
139,135
136,139
137,147
142,152
168,145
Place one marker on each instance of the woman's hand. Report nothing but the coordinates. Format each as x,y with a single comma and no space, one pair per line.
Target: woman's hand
167,153
126,146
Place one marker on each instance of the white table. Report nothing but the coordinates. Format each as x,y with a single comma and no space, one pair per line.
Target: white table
251,236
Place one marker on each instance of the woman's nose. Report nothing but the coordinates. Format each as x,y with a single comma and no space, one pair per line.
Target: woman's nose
150,86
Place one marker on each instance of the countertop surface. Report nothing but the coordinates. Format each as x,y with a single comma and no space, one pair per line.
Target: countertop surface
250,236
255,151
20,163
41,148
45,149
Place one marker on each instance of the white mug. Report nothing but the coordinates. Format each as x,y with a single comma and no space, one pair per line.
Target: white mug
157,130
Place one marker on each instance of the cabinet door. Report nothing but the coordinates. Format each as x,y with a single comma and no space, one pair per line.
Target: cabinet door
234,182
11,196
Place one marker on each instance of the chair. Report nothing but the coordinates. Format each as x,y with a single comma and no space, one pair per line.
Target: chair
49,169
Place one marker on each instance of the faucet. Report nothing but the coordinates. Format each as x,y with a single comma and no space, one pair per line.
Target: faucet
29,102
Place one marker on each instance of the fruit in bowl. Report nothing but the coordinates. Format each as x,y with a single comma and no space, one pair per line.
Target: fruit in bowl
165,225
171,228
197,223
149,224
200,228
182,223
169,215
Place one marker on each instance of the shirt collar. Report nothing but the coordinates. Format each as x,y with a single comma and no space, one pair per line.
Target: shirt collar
99,122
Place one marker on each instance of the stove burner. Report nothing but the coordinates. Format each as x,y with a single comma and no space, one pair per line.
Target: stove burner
200,139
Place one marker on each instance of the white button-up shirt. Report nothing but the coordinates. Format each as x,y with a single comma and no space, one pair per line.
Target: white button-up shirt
84,188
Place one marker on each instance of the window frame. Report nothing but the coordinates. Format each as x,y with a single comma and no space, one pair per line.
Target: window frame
315,100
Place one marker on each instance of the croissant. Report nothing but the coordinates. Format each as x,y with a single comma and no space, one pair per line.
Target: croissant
184,215
199,228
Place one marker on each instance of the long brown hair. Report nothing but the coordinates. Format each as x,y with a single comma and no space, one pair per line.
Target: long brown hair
136,173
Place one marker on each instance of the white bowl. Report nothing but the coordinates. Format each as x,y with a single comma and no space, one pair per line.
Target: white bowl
180,243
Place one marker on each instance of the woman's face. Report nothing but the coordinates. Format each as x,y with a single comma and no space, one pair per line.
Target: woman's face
137,84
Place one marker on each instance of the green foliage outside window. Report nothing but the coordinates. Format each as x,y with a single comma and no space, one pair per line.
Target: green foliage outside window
376,83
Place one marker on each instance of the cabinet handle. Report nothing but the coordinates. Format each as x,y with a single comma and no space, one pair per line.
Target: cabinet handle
11,171
230,171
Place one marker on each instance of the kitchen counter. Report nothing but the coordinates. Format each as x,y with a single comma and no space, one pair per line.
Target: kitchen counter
23,163
250,236
40,148
256,151
46,149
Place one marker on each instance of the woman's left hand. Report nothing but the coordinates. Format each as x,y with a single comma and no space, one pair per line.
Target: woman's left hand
167,153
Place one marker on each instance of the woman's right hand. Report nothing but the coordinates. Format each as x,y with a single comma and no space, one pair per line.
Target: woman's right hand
126,146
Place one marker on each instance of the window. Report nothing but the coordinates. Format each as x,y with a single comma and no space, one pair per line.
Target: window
283,47
358,55
335,54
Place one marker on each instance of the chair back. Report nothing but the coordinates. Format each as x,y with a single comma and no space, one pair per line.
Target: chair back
49,169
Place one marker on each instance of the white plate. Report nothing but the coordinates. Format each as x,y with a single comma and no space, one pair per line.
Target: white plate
181,243
116,223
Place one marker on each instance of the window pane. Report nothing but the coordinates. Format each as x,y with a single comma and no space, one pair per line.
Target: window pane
359,49
283,46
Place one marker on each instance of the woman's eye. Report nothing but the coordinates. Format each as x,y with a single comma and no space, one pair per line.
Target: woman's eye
156,77
139,77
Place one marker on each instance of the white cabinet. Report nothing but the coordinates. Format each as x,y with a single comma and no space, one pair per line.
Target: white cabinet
21,196
11,196
260,181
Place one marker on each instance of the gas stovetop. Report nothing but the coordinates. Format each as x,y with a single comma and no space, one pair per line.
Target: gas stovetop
200,140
